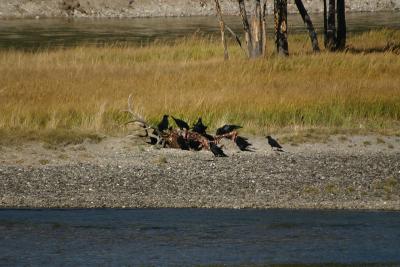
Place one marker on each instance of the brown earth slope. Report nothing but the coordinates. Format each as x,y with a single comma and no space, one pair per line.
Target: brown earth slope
155,8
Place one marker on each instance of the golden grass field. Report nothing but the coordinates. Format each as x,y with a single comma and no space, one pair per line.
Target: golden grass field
83,89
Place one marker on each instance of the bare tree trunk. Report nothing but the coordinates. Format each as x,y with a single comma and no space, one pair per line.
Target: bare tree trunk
256,31
331,27
222,28
280,14
341,28
246,26
310,26
335,39
325,24
264,27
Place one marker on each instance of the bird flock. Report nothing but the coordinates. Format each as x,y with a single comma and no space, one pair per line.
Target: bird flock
193,138
196,137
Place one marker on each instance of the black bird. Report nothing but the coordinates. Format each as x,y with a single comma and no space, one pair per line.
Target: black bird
194,145
182,143
216,150
163,125
227,128
274,144
209,137
242,143
199,127
153,141
181,124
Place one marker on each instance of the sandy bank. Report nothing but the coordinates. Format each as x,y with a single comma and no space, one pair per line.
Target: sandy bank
345,173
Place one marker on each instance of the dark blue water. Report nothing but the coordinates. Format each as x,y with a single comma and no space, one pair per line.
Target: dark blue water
49,33
176,237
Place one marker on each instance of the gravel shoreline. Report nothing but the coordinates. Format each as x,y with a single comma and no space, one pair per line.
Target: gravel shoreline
119,173
158,8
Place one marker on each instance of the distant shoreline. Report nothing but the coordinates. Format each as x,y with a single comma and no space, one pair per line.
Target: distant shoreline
153,8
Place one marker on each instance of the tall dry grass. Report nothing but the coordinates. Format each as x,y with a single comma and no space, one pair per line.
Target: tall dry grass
85,88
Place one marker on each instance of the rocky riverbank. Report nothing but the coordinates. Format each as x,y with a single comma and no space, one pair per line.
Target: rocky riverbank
156,8
342,173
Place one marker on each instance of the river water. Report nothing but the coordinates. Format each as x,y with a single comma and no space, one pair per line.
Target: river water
183,237
49,33
176,237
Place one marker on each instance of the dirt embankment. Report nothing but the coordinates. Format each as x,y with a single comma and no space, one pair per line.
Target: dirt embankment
156,8
346,172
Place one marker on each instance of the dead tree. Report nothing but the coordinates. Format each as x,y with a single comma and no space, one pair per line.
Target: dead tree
334,37
264,27
246,25
310,27
222,29
255,31
280,18
330,35
341,28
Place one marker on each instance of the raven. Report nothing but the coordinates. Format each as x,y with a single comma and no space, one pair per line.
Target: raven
163,125
181,124
216,150
152,141
227,128
209,137
182,143
274,144
199,127
242,143
194,145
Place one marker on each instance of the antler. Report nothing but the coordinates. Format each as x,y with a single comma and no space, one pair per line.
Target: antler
139,120
136,117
